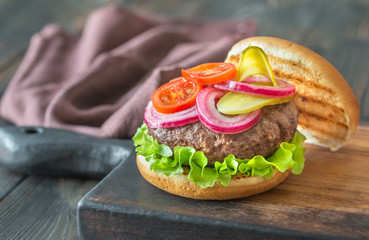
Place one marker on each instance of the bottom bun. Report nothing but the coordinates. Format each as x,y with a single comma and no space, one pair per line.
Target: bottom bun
239,187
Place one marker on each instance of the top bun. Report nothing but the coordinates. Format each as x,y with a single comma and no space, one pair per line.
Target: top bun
329,111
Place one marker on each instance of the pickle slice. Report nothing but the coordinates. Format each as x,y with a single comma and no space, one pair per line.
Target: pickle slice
254,61
239,103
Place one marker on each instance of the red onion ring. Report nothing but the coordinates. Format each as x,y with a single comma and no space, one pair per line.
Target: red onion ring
284,89
256,79
217,122
154,119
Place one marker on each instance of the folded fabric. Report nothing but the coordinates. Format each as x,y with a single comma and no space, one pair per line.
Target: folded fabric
100,83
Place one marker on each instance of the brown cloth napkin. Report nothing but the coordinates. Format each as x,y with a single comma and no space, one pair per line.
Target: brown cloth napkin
99,84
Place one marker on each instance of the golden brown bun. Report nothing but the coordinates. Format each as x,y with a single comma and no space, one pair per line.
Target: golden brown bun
180,185
329,111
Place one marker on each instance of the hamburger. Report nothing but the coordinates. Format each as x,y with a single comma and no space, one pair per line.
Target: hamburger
240,126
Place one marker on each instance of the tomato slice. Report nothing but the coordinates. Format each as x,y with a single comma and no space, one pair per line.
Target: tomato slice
176,95
209,73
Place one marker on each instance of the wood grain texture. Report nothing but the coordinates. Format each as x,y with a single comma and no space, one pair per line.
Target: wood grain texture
8,179
42,208
19,20
329,200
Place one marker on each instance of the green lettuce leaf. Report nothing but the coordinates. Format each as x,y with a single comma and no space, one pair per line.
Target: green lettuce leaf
163,161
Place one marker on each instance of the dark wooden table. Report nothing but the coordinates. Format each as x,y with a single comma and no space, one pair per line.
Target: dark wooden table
33,207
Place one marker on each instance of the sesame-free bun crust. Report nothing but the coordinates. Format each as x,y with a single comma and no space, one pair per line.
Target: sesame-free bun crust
328,109
180,185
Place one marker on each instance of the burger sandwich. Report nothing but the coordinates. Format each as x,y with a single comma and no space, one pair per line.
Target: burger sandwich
236,128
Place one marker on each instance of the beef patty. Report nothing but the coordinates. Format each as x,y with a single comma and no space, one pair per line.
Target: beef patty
278,124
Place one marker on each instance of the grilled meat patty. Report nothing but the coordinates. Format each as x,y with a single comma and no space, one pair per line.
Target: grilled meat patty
278,124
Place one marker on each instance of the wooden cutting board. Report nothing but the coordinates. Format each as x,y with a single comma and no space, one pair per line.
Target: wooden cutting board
330,199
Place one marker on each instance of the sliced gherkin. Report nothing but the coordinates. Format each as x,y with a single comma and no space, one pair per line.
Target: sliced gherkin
239,103
254,61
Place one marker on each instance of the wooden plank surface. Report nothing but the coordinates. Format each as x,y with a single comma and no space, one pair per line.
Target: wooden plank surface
8,179
42,208
330,199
